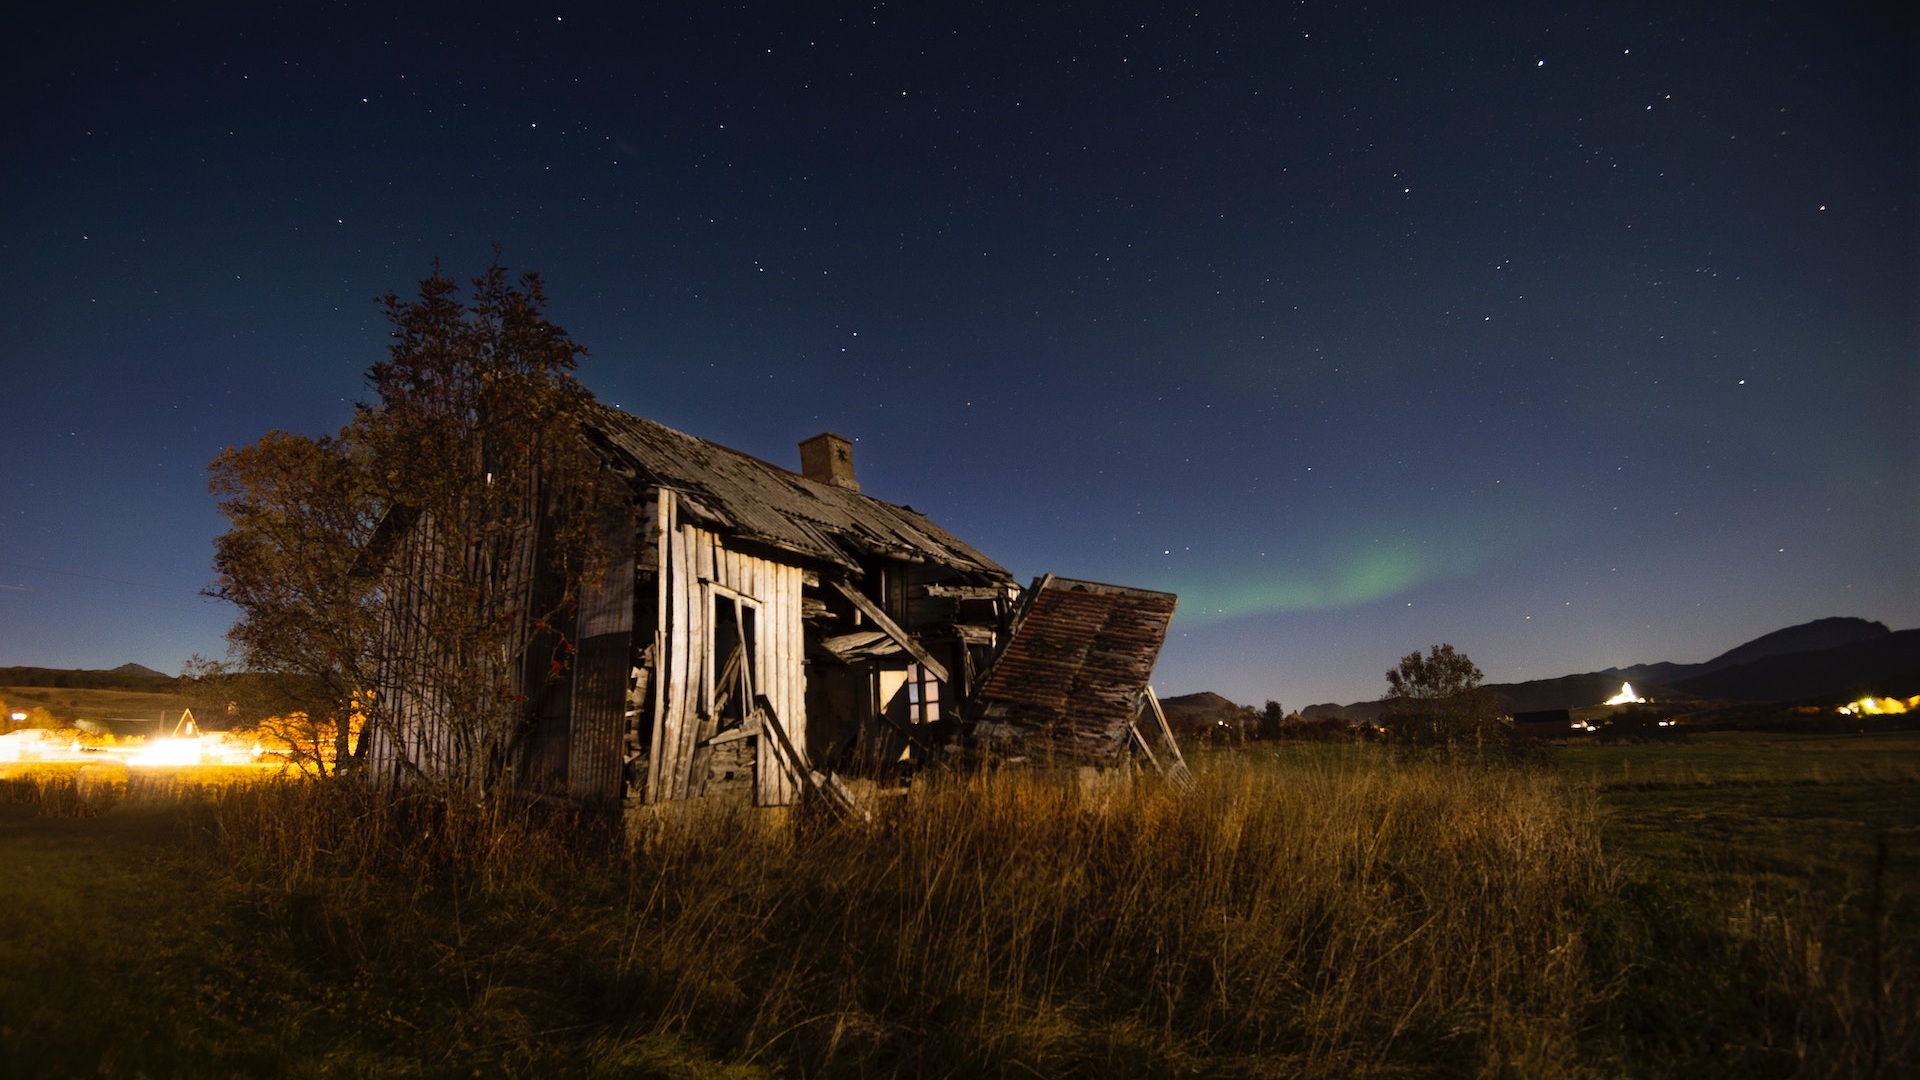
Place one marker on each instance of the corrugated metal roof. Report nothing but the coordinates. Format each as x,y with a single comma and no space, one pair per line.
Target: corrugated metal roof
741,494
1075,666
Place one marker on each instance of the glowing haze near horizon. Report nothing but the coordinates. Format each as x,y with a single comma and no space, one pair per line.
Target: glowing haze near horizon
1573,340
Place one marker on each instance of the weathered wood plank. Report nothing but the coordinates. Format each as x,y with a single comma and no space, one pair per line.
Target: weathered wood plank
793,700
1177,770
768,789
699,555
892,629
686,658
789,759
961,592
663,510
794,659
662,617
598,707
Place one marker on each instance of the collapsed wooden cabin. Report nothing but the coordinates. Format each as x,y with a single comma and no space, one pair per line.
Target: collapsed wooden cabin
761,633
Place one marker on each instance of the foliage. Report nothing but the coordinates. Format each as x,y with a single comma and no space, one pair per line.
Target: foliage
31,716
1440,675
1437,700
299,511
476,440
307,743
398,553
1298,728
1272,715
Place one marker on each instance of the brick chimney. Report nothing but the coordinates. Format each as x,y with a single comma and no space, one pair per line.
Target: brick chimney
828,458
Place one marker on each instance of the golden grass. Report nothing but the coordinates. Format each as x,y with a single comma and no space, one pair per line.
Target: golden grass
1304,911
1334,918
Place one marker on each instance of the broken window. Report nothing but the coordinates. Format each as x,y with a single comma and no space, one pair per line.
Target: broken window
730,676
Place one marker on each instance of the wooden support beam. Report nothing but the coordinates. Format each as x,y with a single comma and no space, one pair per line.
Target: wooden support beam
825,784
745,731
1141,741
769,723
1176,770
892,629
906,731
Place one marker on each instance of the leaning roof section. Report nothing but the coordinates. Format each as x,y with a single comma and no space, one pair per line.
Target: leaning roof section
1079,658
742,495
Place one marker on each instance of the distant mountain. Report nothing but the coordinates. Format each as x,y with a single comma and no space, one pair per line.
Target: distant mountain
1360,712
1816,636
1827,660
1190,713
1572,691
124,677
1888,664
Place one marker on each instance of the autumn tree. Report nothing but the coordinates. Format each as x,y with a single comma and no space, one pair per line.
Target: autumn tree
1436,700
299,512
1272,717
423,562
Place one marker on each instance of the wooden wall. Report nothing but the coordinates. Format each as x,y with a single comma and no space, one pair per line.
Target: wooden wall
597,724
413,728
699,568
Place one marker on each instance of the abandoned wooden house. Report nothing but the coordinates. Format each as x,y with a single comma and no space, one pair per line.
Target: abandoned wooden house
772,632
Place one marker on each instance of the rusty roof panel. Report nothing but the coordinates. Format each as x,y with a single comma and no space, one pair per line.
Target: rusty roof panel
1076,664
743,495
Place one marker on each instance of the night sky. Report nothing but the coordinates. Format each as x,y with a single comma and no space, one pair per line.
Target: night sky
1572,338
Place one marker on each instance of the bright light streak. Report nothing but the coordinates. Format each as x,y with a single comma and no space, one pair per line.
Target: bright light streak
212,748
184,751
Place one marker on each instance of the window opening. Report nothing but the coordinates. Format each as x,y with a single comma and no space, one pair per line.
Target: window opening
731,678
923,695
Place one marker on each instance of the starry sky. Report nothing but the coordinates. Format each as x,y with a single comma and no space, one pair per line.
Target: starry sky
1574,337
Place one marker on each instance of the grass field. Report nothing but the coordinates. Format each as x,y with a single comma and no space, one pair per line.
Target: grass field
1770,900
1742,906
68,704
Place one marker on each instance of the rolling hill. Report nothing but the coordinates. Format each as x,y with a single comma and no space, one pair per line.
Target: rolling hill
1827,661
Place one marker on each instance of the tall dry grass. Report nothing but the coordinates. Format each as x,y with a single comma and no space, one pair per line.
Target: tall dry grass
1303,911
1340,916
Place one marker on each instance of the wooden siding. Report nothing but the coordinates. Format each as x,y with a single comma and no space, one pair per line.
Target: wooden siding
701,568
602,660
413,728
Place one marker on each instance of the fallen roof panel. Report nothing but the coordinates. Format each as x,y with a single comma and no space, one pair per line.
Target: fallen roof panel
1075,667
